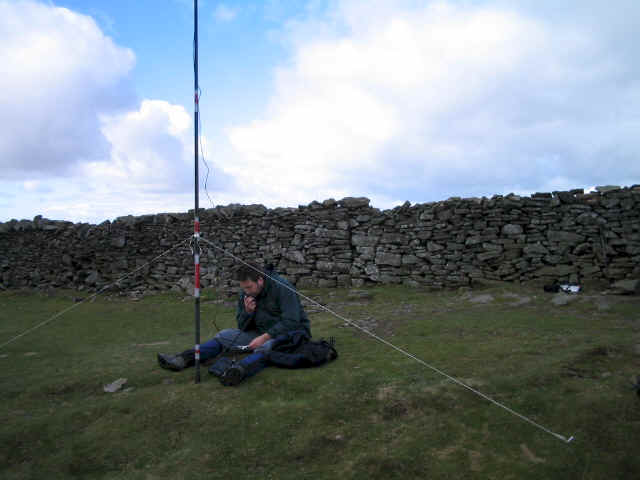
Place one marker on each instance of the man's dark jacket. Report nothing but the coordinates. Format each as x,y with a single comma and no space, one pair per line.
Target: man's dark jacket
278,310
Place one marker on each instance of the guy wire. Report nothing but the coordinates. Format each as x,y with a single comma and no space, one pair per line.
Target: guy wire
389,344
59,314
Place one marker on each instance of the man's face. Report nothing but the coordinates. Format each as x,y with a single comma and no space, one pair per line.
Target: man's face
251,288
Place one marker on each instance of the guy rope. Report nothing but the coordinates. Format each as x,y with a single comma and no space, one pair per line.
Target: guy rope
401,350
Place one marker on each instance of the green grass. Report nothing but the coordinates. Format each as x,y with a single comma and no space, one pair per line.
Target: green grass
373,413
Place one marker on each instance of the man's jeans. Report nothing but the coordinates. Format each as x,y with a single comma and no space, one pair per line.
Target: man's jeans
231,337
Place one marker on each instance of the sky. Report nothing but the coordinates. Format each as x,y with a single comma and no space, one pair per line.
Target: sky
301,101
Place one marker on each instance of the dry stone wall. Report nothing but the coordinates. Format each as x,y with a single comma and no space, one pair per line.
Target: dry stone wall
565,236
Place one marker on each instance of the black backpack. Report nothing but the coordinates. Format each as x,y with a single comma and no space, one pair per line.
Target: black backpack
297,350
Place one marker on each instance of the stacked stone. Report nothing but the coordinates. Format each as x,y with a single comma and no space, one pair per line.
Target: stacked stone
565,236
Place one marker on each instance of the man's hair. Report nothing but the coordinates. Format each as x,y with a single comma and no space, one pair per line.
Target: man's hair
248,272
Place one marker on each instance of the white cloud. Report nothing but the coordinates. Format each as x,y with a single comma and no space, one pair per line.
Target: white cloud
150,147
224,13
72,144
59,71
149,169
440,100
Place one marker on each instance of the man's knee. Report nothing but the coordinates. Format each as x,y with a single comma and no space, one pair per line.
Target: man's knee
230,337
227,332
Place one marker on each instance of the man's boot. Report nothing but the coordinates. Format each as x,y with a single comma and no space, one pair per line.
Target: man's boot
178,362
171,362
233,375
247,367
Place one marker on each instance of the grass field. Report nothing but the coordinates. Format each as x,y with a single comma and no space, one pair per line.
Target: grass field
371,414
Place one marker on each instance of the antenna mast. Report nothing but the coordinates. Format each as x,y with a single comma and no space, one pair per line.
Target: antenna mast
196,220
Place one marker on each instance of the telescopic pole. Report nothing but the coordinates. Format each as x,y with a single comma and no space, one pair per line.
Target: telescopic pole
196,220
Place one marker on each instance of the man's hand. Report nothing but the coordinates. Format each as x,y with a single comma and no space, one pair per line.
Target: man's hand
259,341
249,304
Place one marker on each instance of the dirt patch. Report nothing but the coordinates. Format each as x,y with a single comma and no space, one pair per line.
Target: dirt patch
395,409
475,460
517,300
386,392
529,455
445,452
593,363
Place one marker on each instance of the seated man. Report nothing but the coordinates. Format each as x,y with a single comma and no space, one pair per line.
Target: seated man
266,309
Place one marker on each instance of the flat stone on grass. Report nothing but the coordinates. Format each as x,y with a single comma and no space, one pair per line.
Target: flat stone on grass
561,299
482,299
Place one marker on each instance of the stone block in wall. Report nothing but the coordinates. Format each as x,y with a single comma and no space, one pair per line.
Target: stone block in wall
627,286
454,246
303,228
119,242
492,247
511,229
366,253
554,259
633,249
444,215
473,240
588,271
615,272
92,278
325,266
358,240
565,197
318,251
434,246
389,278
590,218
354,202
410,259
485,256
569,238
295,256
607,188
372,272
435,259
512,253
386,258
395,238
344,255
555,271
326,282
610,202
583,249
456,279
421,253
342,267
